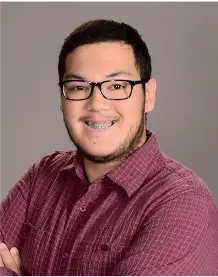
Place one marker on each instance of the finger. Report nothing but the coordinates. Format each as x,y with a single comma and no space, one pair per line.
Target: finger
7,258
1,262
16,256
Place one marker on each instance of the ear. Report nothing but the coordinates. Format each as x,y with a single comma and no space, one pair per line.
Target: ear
61,107
150,88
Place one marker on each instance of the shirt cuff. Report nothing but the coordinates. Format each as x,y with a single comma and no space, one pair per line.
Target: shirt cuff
7,272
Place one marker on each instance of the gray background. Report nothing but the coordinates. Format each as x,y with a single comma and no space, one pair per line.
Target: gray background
183,42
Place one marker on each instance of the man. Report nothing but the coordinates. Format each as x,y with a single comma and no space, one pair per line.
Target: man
117,205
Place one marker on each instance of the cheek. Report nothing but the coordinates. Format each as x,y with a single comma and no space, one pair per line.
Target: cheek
131,110
71,111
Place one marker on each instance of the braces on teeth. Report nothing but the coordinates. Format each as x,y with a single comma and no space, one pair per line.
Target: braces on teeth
100,125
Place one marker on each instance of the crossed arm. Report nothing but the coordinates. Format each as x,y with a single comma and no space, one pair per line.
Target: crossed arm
179,238
13,213
166,251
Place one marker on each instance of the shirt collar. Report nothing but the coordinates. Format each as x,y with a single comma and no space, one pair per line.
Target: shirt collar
132,172
137,168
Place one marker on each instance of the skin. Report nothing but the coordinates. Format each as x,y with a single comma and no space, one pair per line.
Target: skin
104,151
10,259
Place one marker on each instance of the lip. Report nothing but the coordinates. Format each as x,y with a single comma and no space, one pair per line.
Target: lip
99,120
92,130
105,122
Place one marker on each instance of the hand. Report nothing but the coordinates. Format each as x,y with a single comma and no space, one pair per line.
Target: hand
10,259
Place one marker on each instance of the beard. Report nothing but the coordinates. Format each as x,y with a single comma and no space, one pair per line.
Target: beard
132,141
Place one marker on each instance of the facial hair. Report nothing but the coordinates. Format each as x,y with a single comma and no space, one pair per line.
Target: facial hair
124,150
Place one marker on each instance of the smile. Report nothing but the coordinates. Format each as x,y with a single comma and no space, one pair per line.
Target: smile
100,125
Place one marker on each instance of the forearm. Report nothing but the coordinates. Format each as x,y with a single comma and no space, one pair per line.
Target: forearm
7,272
13,212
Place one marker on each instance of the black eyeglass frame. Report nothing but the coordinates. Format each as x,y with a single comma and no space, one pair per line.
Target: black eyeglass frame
99,84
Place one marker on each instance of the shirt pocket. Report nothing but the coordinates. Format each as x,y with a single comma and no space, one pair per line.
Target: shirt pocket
99,258
38,253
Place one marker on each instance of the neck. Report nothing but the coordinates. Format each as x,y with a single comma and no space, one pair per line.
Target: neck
96,170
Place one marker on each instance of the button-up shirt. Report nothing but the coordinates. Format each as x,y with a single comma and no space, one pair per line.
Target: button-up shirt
148,216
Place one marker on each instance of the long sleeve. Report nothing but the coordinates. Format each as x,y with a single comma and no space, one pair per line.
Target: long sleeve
13,213
14,209
179,238
7,272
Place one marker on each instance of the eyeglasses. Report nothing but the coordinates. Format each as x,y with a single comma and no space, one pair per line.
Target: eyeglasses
77,90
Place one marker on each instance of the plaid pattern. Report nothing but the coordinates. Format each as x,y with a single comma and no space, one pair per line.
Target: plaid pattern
149,216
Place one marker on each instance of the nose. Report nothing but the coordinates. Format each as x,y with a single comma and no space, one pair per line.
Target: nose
97,102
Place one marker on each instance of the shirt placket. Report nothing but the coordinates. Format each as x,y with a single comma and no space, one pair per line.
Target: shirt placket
69,251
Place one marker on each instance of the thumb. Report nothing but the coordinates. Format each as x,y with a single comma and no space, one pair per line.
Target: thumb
16,256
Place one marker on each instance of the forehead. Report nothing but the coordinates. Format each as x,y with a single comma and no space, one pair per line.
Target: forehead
101,59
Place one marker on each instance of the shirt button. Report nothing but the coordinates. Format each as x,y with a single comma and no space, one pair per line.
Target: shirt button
104,247
65,255
83,209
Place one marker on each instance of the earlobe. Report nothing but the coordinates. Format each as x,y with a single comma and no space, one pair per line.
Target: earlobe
61,108
150,95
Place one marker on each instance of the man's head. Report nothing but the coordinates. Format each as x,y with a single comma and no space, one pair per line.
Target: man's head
103,129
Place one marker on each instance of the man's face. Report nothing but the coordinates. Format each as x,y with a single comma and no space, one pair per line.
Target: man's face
94,62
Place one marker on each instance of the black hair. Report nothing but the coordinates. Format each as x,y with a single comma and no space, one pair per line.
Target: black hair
106,31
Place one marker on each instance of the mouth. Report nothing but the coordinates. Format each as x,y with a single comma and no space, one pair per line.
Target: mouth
100,125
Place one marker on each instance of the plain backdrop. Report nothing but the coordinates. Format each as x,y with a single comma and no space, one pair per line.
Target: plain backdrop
183,42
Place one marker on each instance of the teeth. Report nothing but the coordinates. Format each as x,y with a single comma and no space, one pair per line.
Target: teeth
100,125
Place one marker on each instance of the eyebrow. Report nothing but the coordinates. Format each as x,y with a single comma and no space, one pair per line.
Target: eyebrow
115,74
73,76
111,75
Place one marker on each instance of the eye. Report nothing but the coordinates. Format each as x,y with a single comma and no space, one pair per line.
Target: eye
75,87
117,86
78,88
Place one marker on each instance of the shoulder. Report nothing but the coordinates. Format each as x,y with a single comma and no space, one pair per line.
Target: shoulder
179,197
182,176
53,162
174,181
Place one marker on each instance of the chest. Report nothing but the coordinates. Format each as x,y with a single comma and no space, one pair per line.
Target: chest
83,233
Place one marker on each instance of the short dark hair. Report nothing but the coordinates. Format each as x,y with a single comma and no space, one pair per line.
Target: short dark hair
104,31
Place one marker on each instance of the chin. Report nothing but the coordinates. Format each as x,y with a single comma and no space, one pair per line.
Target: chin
99,155
98,151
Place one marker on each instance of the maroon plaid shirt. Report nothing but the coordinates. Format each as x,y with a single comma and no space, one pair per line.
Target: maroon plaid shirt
149,216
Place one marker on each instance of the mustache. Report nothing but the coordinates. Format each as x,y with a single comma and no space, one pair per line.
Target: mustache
99,117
